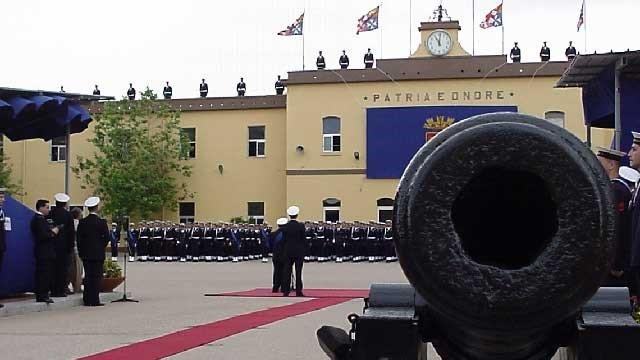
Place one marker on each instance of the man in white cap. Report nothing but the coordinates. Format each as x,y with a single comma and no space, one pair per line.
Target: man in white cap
276,241
93,237
294,249
64,242
634,162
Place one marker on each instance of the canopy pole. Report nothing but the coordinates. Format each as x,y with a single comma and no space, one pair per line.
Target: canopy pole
618,121
589,136
67,157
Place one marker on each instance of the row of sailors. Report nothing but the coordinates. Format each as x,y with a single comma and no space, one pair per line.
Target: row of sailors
339,242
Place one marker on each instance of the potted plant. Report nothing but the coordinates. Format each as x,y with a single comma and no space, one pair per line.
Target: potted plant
112,276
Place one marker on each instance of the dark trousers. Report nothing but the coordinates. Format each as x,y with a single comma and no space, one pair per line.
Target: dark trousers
44,272
60,272
286,274
92,279
114,248
278,268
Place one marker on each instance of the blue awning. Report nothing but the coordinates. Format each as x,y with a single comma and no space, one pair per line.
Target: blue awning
29,114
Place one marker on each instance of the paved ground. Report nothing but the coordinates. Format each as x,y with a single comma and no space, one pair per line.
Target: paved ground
171,299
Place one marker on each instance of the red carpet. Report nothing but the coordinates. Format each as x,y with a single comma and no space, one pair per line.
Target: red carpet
177,342
311,293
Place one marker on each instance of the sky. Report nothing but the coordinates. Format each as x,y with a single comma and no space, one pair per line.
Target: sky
79,43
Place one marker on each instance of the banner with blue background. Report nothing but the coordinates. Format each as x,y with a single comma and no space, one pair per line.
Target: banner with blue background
395,134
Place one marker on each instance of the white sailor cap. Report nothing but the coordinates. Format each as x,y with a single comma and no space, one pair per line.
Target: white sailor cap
636,137
629,174
3,190
62,197
92,201
610,154
293,211
282,221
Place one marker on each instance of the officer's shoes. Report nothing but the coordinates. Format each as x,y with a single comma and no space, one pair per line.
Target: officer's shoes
132,259
235,260
265,260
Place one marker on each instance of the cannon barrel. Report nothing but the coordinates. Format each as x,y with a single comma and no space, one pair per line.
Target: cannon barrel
504,224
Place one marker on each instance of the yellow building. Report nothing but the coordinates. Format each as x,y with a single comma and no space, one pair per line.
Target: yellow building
336,143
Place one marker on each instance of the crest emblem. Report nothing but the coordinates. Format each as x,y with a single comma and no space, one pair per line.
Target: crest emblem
436,124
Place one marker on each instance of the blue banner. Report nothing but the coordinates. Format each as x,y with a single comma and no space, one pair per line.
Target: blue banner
394,135
17,270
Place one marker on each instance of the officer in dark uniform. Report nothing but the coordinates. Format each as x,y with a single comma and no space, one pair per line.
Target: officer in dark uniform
131,92
294,249
45,251
133,234
114,240
368,59
63,243
62,89
96,91
204,89
515,54
571,52
320,62
93,237
344,60
3,243
167,91
545,52
276,242
279,86
143,241
241,88
634,162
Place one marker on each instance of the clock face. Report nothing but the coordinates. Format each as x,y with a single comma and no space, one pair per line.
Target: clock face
439,43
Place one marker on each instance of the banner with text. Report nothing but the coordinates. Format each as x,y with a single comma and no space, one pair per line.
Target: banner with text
395,134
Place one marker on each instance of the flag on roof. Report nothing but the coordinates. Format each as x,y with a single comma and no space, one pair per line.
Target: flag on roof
581,17
369,21
493,18
293,29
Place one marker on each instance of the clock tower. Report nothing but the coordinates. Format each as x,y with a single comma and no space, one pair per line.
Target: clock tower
439,38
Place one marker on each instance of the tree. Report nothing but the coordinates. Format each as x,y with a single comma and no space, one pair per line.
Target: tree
6,178
138,166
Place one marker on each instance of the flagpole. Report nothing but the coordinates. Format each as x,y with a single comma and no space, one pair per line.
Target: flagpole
379,6
473,16
584,3
503,28
303,50
411,26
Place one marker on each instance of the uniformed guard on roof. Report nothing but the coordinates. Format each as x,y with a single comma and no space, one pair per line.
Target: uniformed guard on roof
571,52
167,91
320,61
96,91
545,52
515,54
204,89
131,92
368,59
241,87
344,60
62,89
279,86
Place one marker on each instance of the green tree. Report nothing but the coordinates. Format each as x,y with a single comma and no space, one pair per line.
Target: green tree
138,167
6,178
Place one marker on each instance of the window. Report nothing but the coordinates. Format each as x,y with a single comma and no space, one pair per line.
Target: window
256,141
59,149
331,210
331,134
385,209
187,212
255,211
190,135
555,117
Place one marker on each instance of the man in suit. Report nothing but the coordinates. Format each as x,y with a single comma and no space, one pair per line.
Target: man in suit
64,242
3,244
634,162
294,249
93,237
45,251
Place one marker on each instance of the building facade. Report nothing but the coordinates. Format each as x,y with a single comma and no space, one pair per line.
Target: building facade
336,144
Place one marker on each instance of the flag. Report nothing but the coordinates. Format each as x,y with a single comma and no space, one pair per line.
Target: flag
493,18
293,29
369,21
581,17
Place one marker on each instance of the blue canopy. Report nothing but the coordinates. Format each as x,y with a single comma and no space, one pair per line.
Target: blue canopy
28,114
596,74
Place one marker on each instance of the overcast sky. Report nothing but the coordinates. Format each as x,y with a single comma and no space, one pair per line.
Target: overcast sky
78,43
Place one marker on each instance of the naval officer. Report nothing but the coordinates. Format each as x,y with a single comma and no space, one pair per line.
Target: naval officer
93,237
64,243
634,162
294,249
